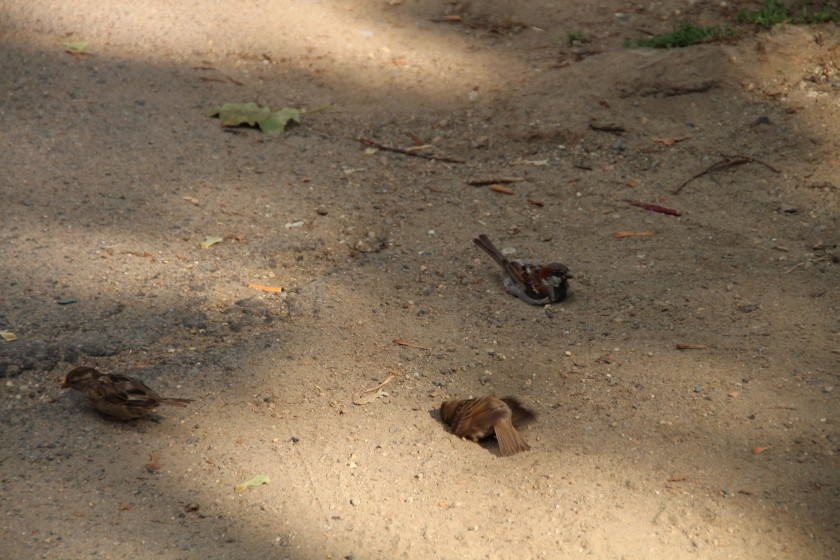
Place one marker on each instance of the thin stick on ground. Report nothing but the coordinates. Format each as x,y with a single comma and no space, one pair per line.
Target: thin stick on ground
727,161
409,151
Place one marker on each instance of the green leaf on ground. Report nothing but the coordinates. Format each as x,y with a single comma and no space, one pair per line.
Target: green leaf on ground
256,481
270,122
211,240
76,47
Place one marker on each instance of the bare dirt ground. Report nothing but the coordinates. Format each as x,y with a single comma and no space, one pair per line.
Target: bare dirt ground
112,175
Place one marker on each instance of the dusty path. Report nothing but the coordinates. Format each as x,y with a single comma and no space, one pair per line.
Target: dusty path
112,176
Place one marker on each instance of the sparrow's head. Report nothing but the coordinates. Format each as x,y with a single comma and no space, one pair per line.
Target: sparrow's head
555,277
80,378
448,410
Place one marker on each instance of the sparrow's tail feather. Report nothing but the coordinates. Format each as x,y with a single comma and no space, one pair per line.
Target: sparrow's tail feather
510,442
484,242
176,402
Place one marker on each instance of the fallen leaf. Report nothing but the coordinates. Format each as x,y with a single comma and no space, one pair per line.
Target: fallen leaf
191,507
191,199
369,395
760,450
267,289
256,481
77,48
623,234
733,394
501,189
8,336
210,240
368,398
270,122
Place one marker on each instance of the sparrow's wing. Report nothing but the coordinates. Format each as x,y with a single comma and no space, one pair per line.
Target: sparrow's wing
510,442
125,391
476,418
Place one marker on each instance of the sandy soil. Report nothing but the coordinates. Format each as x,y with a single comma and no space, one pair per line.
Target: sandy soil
687,391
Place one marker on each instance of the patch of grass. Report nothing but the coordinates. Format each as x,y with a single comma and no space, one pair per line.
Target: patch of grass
773,12
683,36
579,36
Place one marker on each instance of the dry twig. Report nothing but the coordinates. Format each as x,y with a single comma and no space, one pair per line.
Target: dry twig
727,161
408,151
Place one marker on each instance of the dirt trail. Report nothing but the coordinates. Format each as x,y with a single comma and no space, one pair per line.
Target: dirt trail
686,391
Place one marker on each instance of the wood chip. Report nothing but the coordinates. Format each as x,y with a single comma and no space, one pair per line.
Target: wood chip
623,234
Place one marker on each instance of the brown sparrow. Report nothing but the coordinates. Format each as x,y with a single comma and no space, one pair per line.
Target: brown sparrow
117,395
535,284
483,417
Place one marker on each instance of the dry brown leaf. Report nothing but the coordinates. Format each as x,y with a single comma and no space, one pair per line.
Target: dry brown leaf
501,189
760,450
670,141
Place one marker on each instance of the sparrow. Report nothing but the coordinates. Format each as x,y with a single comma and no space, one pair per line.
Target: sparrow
117,395
483,417
534,284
